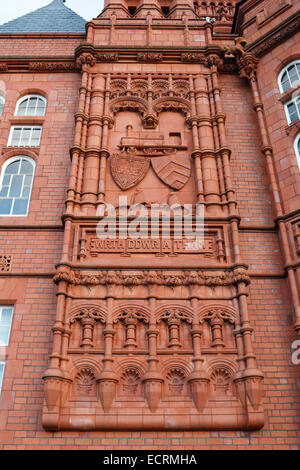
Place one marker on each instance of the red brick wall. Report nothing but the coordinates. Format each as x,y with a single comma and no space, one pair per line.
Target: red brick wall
283,144
33,46
37,251
30,344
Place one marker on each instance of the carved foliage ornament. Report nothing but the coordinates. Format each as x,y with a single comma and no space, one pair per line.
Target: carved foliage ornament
5,263
176,314
52,66
200,278
199,58
131,313
88,313
149,57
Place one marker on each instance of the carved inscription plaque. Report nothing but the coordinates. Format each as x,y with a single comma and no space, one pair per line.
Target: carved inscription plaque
97,246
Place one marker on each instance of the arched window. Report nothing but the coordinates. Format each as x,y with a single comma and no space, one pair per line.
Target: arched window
31,105
289,76
2,103
297,149
15,186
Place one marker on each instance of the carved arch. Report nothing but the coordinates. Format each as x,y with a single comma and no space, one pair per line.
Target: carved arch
133,310
129,103
86,363
228,313
90,310
181,312
172,104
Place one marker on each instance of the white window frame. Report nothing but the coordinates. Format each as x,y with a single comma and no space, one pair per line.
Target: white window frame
3,169
2,101
297,106
297,152
27,97
1,376
283,72
9,144
12,307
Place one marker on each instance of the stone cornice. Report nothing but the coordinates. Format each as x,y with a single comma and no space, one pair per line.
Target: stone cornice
34,64
42,35
152,277
274,37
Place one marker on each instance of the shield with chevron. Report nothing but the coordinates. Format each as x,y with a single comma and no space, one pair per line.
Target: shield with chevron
174,170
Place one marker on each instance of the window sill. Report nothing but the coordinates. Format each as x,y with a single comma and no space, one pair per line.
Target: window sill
293,129
20,150
26,120
288,95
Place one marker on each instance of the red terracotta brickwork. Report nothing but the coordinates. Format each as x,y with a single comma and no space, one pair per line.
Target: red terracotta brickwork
138,346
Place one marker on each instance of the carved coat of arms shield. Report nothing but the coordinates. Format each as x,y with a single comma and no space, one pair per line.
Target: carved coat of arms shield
128,169
174,170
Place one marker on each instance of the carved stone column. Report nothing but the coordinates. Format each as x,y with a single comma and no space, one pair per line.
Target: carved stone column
248,64
196,155
152,380
54,377
108,380
92,160
197,380
206,146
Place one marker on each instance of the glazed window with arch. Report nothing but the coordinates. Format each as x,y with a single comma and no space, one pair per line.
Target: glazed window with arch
289,76
297,149
16,185
2,103
31,105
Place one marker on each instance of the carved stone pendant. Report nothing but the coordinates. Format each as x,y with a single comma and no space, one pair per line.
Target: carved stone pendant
128,170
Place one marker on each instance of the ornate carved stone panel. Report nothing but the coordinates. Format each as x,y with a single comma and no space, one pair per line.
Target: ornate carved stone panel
152,332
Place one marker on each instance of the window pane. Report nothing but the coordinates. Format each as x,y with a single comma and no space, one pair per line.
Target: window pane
13,168
4,335
22,108
20,207
25,139
16,136
16,186
1,105
28,180
35,138
5,206
6,179
294,76
4,191
26,191
292,112
1,373
6,316
40,111
26,168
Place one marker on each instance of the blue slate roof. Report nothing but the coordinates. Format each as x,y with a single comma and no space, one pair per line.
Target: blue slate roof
54,18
